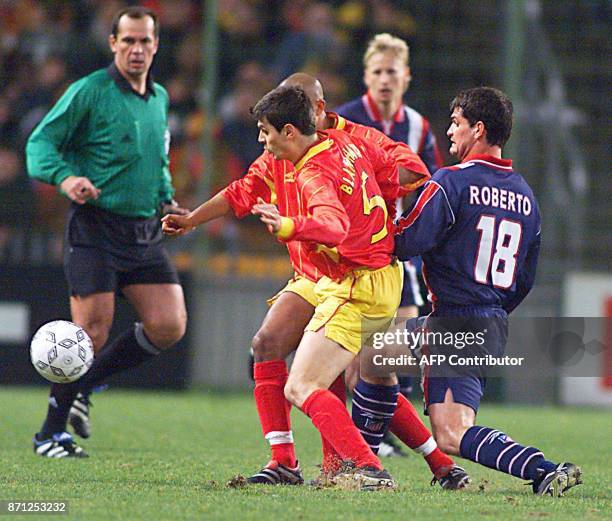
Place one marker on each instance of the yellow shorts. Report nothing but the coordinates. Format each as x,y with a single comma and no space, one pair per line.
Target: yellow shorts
301,286
364,302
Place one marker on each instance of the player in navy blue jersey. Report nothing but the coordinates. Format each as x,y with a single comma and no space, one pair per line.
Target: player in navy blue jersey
387,77
477,226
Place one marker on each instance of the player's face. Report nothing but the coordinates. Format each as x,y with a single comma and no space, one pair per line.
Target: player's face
386,77
135,45
273,141
461,135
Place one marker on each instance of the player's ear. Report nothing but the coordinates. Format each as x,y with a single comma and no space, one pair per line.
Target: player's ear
112,42
288,131
479,129
320,106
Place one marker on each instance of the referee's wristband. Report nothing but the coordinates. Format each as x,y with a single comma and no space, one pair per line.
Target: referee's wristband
286,229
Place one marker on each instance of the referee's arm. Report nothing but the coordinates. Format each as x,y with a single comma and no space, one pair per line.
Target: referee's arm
44,155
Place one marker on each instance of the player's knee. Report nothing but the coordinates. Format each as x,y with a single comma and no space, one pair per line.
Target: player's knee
296,392
98,332
166,333
267,346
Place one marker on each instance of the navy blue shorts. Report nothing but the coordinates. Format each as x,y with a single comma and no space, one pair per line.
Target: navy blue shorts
467,383
411,290
104,251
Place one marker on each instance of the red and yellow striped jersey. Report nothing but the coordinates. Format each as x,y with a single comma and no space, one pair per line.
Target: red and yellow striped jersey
337,207
264,174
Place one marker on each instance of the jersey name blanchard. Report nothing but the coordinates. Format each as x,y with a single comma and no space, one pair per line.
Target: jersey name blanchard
500,198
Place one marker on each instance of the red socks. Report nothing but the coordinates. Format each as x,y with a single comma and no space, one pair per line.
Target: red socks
274,409
407,425
330,417
332,461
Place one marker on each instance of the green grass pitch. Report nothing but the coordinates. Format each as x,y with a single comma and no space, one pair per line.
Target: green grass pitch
169,456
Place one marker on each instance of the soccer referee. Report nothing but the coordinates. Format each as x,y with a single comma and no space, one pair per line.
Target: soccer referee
105,145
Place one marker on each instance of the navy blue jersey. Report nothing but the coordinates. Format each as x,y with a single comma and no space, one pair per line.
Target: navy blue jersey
407,126
477,226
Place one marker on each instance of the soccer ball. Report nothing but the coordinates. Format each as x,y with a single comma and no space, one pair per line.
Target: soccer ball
61,351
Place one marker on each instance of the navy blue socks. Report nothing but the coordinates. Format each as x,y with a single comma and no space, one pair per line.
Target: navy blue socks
496,450
373,408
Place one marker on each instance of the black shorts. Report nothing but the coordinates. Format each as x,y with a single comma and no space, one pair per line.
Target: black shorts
104,251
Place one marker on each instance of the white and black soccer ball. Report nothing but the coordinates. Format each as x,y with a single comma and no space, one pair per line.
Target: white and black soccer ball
61,351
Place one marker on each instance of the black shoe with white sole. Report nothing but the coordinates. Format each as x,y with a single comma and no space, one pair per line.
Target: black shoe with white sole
456,479
78,416
364,478
276,474
59,445
556,482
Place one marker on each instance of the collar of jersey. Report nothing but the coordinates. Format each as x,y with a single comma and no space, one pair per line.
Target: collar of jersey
491,160
371,106
339,121
123,84
313,150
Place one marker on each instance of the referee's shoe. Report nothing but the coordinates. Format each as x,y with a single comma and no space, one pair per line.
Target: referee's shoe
59,445
78,417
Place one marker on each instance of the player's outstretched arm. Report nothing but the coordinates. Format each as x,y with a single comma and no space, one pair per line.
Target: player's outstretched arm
175,224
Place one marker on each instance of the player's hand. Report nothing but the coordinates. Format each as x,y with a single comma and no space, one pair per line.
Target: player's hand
79,189
269,215
175,224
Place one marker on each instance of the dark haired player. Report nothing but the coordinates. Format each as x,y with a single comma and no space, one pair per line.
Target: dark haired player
105,145
477,225
330,201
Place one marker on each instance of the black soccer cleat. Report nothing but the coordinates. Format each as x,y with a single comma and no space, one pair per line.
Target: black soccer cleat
59,445
558,481
389,448
78,416
455,479
276,474
364,478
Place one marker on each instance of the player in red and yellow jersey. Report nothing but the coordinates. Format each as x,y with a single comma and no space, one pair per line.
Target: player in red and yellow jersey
292,308
266,173
335,206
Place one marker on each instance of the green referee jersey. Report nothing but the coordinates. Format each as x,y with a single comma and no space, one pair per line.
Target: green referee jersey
103,130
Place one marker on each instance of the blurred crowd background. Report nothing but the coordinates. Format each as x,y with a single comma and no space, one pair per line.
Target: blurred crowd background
45,45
